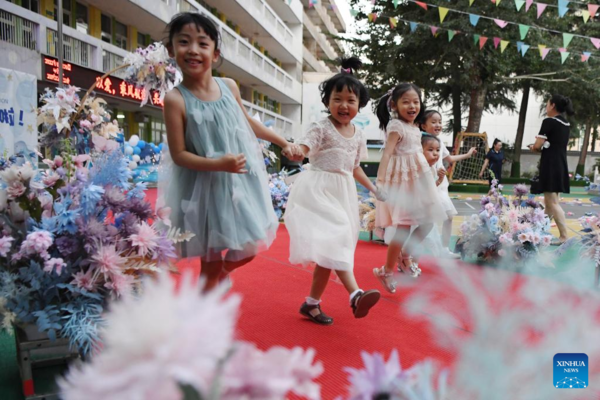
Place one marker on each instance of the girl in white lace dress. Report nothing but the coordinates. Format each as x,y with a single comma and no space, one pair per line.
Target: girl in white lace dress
413,199
322,211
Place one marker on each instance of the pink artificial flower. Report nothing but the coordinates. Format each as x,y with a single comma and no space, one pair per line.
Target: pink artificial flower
164,214
80,159
108,260
489,207
523,237
120,284
54,263
536,238
513,215
50,179
5,244
145,239
502,252
85,124
546,240
37,242
84,280
15,189
506,238
58,161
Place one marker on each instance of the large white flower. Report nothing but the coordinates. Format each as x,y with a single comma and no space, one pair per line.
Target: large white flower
153,343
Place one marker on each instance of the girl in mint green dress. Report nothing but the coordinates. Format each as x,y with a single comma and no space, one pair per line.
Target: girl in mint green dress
214,181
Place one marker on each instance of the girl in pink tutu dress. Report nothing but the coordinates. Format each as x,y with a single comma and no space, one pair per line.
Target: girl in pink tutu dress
404,174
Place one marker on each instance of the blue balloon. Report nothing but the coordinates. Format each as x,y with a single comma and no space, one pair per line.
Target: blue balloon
269,123
137,150
160,146
141,144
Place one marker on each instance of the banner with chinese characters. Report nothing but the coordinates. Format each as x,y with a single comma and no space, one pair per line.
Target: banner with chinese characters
18,102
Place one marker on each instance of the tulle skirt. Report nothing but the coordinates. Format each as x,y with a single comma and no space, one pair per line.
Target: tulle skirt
322,220
413,197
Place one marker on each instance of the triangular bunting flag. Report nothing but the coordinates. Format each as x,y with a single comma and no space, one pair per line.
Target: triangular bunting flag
563,56
474,19
586,15
595,42
523,29
353,12
528,4
540,9
524,48
567,37
497,2
562,49
593,9
311,3
393,22
372,17
443,12
563,7
476,38
519,4
413,26
497,41
421,4
543,51
450,35
500,23
396,3
503,45
482,41
585,56
471,2
519,44
434,30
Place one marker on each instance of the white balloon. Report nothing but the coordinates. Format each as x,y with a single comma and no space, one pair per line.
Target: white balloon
128,150
132,165
133,141
135,158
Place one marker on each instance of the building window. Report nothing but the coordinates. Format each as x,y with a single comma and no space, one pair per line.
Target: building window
106,28
121,35
167,2
66,11
31,5
184,6
82,21
141,40
158,130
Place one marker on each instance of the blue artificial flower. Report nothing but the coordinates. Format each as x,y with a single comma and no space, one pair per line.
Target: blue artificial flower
90,196
111,169
138,192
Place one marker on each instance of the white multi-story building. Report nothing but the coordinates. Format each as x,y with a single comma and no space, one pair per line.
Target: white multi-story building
262,49
323,21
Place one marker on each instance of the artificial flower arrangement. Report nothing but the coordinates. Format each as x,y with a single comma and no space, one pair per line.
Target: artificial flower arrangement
78,234
280,192
517,228
179,343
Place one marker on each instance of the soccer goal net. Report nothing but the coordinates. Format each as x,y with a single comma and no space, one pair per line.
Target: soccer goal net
467,171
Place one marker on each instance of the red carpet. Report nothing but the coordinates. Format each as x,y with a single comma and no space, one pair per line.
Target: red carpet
273,291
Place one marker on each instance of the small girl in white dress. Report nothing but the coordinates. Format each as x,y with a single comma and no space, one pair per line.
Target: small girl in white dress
407,178
432,124
322,211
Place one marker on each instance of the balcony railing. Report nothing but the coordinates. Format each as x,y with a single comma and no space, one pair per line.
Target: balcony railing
283,126
17,30
111,61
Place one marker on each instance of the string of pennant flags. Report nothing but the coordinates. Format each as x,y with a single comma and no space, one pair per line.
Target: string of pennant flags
474,20
522,47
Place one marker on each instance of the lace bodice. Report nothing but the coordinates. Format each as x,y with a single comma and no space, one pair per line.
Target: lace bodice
410,137
332,152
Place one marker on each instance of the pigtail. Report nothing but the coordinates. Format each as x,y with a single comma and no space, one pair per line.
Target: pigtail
383,111
350,65
569,106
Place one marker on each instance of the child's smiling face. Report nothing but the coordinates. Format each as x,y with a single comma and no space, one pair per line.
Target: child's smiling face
408,106
343,105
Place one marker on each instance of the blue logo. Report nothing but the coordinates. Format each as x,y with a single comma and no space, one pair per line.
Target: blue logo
571,371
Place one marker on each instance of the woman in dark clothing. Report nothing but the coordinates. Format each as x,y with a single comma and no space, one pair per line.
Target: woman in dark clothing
552,142
494,159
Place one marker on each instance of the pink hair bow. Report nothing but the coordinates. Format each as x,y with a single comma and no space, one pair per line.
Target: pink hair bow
347,70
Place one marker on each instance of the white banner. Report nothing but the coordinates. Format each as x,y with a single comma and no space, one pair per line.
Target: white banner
18,104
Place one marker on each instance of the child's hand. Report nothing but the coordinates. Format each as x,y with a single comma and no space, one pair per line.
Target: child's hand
380,194
292,152
441,172
472,151
236,164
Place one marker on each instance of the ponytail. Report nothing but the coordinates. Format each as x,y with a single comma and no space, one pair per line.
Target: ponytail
383,112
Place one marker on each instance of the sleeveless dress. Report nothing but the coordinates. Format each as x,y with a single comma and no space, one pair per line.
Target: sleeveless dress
413,198
322,211
554,169
225,211
443,187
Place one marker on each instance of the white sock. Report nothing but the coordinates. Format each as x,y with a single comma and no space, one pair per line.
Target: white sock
312,302
357,291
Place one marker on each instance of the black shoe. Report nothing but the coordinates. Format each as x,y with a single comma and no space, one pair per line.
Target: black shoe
363,301
315,314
